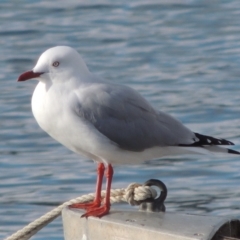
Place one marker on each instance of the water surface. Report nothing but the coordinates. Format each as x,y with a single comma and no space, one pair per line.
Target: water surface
183,56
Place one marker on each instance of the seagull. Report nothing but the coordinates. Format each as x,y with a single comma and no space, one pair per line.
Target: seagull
105,121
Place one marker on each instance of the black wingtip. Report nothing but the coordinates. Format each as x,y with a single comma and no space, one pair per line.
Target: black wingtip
207,140
204,140
233,151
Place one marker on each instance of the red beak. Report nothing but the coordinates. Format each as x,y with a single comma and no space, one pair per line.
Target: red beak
28,75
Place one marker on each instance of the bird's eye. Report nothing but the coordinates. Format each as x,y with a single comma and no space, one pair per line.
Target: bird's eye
56,64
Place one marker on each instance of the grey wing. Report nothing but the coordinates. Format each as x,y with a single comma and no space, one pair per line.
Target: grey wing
127,119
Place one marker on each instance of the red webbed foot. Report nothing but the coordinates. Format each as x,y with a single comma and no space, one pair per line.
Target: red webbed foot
89,205
97,212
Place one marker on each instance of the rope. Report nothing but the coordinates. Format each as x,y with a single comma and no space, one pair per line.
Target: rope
134,194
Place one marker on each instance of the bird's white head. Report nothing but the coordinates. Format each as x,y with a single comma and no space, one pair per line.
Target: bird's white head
57,64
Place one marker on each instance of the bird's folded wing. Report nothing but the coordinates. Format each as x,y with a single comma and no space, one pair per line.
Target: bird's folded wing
127,119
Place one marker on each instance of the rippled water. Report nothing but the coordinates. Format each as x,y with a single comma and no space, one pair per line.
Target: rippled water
183,56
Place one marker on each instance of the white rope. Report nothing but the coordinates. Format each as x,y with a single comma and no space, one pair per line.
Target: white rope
134,194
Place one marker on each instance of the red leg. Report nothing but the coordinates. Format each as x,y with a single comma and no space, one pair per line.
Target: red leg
102,210
97,200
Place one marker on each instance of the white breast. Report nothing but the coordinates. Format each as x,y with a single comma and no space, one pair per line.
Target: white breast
52,111
44,109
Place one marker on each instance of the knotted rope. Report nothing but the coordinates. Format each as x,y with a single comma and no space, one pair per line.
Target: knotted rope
134,194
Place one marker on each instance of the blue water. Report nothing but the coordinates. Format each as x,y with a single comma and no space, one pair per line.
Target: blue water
183,56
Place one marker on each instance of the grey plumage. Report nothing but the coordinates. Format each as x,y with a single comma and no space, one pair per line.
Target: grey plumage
127,119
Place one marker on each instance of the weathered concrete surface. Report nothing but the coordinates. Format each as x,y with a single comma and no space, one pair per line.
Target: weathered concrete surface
141,226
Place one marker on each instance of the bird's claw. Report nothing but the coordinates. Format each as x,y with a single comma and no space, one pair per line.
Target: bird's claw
96,212
86,206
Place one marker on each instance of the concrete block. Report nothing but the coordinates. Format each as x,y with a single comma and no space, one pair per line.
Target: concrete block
147,226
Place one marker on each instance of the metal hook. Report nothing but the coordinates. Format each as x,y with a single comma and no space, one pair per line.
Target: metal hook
157,204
